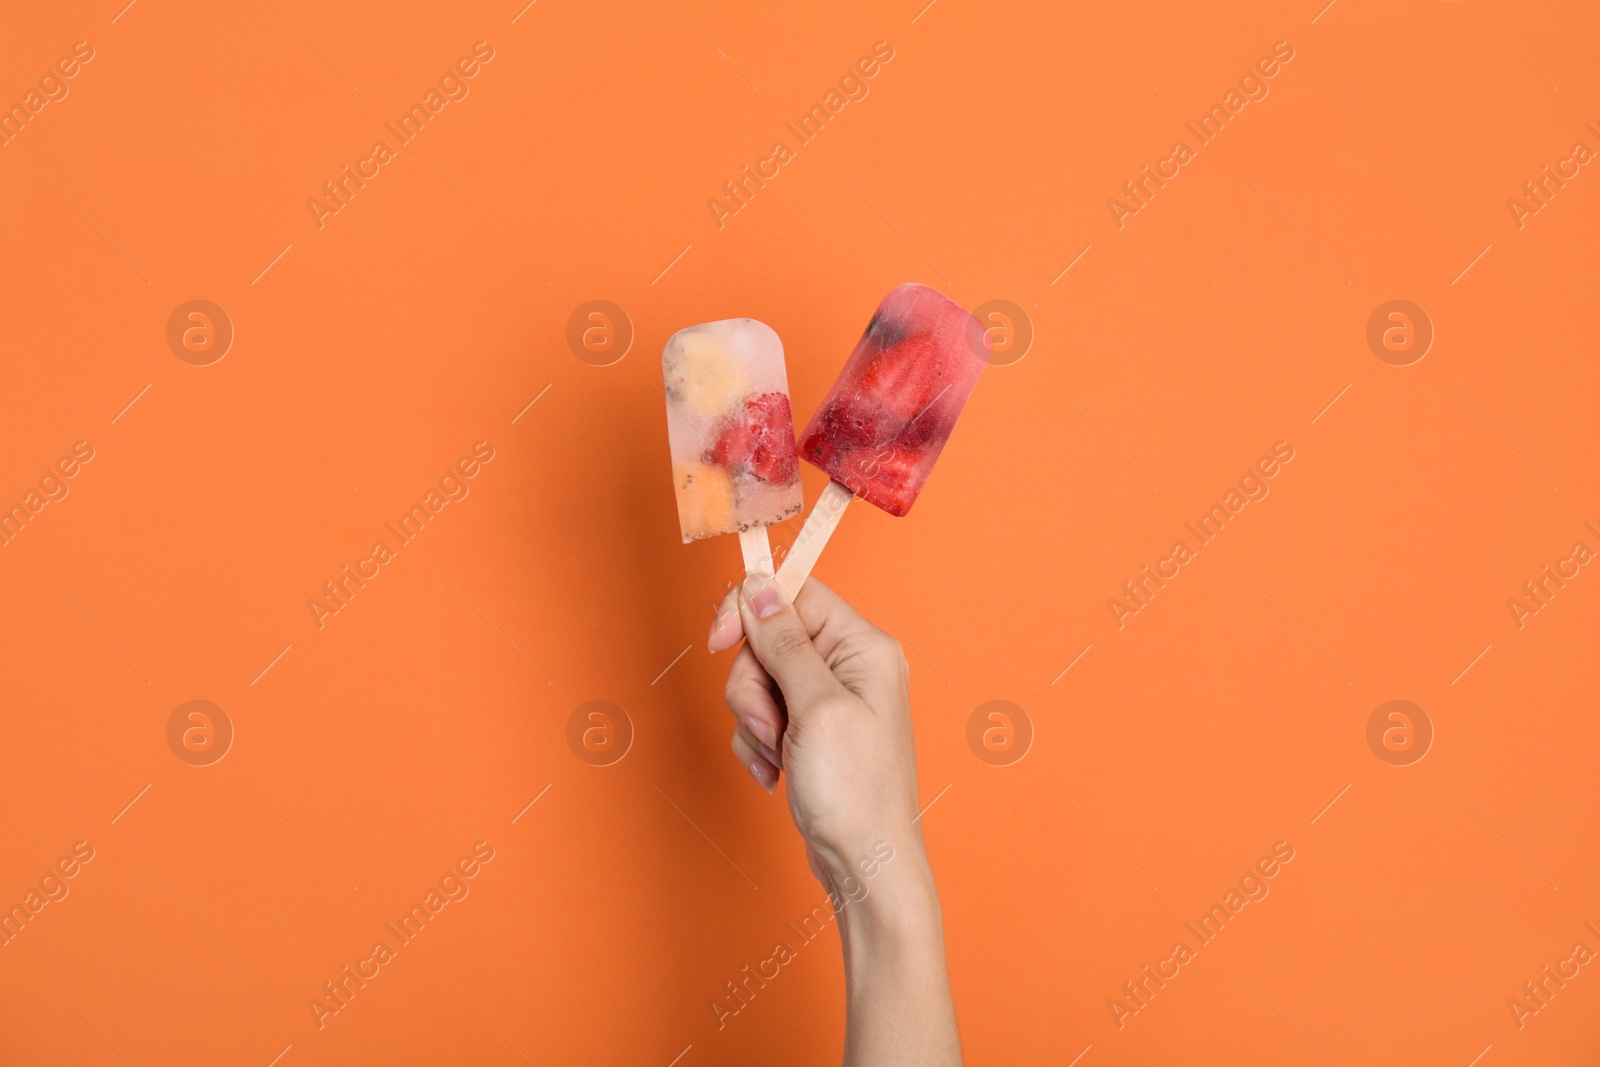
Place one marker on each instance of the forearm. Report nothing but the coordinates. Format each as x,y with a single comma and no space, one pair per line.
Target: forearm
897,988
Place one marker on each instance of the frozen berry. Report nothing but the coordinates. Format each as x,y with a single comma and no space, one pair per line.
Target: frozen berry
760,438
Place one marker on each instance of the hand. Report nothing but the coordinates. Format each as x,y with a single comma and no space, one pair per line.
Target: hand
821,695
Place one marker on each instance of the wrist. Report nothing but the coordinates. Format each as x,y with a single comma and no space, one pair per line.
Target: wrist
856,872
891,903
893,942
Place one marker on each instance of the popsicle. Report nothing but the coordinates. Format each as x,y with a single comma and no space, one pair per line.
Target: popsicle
731,433
880,430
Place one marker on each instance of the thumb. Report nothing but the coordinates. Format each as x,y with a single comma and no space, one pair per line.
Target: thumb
780,641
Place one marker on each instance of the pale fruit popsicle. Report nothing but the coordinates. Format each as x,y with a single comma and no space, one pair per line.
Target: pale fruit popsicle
879,431
730,428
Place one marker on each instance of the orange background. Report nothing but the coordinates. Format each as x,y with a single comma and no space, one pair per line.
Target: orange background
426,715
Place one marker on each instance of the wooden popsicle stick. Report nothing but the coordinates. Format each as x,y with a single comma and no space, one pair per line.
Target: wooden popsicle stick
757,550
814,534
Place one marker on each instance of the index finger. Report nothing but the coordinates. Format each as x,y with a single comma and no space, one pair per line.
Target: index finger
820,609
726,626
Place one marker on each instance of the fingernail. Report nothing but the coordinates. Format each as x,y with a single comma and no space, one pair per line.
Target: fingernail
761,730
724,631
763,596
763,776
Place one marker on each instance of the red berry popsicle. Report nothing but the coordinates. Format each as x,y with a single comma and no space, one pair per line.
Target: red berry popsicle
880,430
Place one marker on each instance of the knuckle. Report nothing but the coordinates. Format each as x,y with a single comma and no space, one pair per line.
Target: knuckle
888,648
880,649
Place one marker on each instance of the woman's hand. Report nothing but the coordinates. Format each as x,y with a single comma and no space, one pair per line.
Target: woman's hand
822,696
